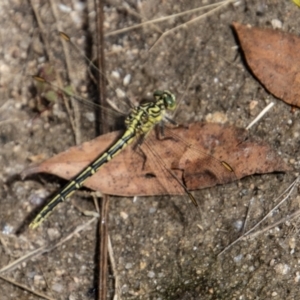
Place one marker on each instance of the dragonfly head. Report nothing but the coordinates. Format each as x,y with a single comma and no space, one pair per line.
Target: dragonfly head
167,98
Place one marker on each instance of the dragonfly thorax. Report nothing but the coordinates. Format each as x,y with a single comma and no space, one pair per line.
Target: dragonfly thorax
144,117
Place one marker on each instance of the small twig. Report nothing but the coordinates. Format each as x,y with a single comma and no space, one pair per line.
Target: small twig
25,288
289,217
5,122
247,216
103,261
260,115
103,223
69,236
161,19
96,202
51,59
22,259
117,295
4,244
75,105
141,17
219,6
289,190
37,252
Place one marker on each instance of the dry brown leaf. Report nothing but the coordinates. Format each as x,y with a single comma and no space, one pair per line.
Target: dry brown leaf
274,58
130,173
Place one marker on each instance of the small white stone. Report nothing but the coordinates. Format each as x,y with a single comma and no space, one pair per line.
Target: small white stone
282,269
276,24
7,229
90,116
292,243
126,79
151,274
297,277
120,93
80,6
123,215
128,266
64,8
115,74
57,287
53,233
238,225
152,210
238,258
37,279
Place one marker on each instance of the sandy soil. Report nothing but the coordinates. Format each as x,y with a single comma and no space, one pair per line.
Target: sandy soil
161,248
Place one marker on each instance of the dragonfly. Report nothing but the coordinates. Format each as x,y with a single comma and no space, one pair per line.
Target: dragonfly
139,123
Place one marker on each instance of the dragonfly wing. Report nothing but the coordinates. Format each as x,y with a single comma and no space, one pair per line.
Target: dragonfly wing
203,158
158,170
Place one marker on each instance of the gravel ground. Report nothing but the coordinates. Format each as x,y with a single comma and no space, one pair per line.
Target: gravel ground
162,249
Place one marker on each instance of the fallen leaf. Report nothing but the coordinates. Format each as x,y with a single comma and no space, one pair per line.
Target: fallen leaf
297,2
193,153
274,58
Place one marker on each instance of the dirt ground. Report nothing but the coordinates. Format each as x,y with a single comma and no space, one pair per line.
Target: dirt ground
161,248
